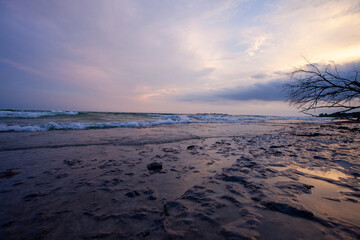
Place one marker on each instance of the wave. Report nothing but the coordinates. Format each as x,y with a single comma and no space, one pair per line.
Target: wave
176,119
82,126
218,118
34,114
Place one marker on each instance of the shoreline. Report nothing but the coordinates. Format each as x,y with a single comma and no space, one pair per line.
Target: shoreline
225,181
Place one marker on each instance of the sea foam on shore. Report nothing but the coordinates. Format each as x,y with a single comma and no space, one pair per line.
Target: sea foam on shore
34,121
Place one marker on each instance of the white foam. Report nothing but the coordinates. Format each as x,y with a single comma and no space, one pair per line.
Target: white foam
16,128
210,118
226,119
80,126
174,119
28,114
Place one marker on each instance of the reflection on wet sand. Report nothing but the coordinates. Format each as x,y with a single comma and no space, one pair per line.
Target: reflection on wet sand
318,172
330,201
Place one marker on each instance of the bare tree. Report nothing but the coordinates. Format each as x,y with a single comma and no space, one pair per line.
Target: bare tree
316,86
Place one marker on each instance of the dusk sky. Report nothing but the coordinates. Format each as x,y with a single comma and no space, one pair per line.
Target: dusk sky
167,56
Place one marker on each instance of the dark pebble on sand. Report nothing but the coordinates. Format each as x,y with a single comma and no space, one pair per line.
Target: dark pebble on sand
132,194
191,147
71,162
152,197
155,166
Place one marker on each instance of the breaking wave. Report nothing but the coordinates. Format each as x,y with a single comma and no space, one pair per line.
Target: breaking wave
171,119
81,126
34,114
226,118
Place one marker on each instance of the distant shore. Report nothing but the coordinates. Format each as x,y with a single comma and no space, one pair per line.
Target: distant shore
212,181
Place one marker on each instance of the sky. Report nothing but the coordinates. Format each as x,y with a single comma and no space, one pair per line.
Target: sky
181,56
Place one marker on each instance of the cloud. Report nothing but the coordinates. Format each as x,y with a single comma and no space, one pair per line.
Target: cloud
256,44
127,53
270,91
22,67
260,76
260,91
320,30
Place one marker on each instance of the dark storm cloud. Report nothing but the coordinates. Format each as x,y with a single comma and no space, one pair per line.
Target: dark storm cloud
271,91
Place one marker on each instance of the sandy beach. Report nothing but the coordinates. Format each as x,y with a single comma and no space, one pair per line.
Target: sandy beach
216,181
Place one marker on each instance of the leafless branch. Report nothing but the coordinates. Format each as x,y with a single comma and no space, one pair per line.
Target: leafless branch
314,87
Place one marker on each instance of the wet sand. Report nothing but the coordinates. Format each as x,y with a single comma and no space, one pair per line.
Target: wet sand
217,181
